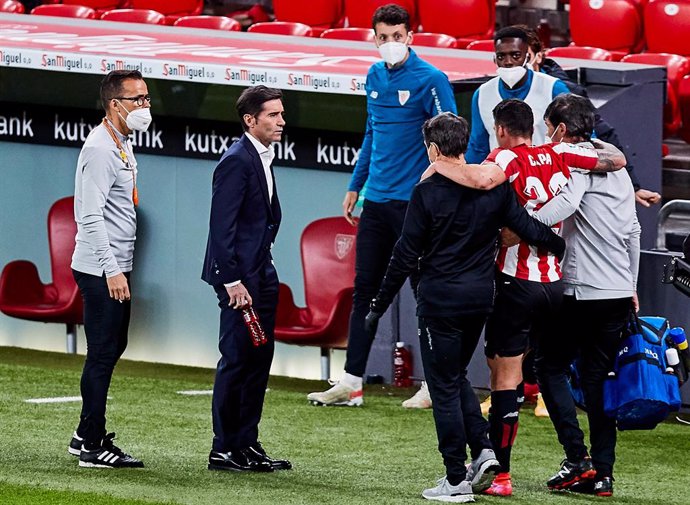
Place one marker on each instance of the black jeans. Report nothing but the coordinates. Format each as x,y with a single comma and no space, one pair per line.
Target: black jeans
106,322
447,345
591,329
379,229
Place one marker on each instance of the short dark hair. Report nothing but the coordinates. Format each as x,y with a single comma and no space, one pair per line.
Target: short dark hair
575,112
391,14
252,99
111,85
449,132
511,32
515,116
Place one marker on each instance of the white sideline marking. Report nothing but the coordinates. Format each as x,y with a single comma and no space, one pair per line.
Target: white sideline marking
196,392
59,399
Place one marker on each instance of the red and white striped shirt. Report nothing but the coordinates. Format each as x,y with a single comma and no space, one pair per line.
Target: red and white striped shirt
537,174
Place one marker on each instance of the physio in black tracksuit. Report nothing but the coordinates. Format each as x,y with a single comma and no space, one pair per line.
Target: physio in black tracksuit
450,233
245,216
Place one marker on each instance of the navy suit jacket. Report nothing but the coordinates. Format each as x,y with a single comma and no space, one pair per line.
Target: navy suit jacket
243,222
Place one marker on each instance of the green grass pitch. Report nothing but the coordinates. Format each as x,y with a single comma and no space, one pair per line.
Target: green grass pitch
378,454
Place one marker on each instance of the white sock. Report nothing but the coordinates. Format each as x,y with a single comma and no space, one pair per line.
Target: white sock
351,381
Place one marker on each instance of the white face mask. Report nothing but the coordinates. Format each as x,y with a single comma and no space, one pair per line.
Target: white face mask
393,52
550,138
138,119
512,75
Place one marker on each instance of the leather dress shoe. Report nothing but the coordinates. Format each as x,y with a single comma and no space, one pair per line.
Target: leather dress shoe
237,461
257,453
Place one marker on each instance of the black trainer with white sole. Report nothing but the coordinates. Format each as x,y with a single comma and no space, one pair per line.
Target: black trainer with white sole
75,444
108,456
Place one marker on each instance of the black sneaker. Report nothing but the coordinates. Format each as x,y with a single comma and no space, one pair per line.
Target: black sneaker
108,456
599,487
75,445
570,473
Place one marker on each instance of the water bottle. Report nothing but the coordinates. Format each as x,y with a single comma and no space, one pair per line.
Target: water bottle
674,367
677,334
256,332
402,366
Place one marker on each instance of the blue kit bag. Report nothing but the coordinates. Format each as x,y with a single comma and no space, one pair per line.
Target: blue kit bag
639,392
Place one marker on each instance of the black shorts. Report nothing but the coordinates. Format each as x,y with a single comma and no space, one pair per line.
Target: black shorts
522,310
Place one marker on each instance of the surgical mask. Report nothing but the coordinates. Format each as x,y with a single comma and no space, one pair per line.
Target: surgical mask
550,139
138,119
511,75
393,52
428,152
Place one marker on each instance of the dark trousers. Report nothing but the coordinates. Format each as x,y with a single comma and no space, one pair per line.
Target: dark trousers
242,372
379,229
591,329
106,322
447,345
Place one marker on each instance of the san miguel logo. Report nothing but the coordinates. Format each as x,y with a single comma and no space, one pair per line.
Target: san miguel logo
61,61
10,58
109,66
184,70
309,81
248,76
343,245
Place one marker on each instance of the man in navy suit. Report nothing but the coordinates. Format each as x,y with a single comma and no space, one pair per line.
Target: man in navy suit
245,215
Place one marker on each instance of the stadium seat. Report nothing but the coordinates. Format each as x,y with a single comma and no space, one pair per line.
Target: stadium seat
361,34
11,6
143,16
24,296
210,22
614,25
667,27
434,40
319,14
676,68
583,53
282,28
100,6
171,9
466,20
360,12
65,11
482,45
328,264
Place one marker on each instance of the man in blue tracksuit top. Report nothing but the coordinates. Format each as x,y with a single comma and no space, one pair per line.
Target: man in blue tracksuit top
402,92
514,80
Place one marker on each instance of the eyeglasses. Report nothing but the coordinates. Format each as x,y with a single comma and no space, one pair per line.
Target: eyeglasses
138,100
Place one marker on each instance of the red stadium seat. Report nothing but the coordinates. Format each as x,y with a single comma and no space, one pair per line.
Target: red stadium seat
65,11
282,28
100,6
360,12
319,14
328,264
361,34
210,22
11,6
482,45
676,68
614,25
24,296
143,16
434,40
583,53
466,20
667,27
171,9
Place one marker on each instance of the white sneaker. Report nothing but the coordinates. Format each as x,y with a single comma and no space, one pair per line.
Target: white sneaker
338,395
482,471
420,400
462,493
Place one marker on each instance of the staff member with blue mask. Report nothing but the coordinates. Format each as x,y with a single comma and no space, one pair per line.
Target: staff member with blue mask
403,91
514,80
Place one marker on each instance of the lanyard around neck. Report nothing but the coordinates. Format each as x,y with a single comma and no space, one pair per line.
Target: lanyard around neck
123,155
